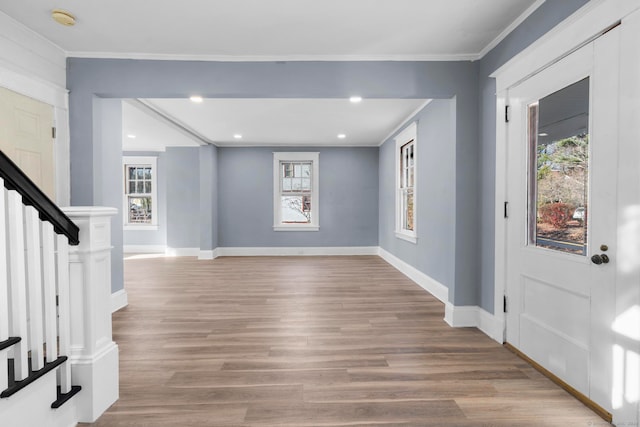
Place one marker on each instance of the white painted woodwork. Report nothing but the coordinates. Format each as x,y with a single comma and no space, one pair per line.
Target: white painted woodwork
34,289
4,290
578,29
26,138
94,355
28,53
561,306
36,68
49,291
64,318
626,377
17,283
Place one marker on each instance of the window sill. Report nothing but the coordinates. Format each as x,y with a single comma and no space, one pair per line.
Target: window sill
139,227
296,228
408,238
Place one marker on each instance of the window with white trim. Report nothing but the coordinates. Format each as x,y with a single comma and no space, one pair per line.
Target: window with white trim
140,193
295,191
406,173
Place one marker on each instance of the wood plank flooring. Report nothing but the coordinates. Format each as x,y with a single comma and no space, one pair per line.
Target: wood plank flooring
312,341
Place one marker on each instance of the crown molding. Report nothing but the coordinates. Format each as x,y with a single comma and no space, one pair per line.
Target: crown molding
270,58
503,35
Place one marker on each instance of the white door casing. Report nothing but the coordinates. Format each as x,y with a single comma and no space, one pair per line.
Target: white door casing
26,137
561,305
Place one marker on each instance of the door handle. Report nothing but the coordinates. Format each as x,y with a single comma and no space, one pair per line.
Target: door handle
600,259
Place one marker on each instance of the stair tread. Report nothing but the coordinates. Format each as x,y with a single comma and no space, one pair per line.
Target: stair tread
9,342
65,397
16,386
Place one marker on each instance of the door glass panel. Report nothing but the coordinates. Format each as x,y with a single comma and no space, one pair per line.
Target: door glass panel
558,132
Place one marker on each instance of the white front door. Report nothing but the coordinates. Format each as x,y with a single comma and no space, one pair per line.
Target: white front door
562,185
25,137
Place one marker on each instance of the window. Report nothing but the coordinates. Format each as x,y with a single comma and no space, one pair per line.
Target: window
406,172
140,193
295,191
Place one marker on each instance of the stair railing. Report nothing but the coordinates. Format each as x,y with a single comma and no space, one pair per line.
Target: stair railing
34,284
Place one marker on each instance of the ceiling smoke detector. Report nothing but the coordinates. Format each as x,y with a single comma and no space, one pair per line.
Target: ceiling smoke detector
63,17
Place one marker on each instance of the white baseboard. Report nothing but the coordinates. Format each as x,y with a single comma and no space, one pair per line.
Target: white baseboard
476,317
144,249
182,251
208,254
298,251
119,300
432,286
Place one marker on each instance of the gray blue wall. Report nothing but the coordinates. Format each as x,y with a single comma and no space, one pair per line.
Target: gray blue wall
208,197
348,198
107,166
434,253
183,197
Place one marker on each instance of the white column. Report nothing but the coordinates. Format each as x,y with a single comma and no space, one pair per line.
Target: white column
93,354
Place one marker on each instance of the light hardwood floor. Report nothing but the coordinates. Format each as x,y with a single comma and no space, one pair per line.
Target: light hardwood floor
312,341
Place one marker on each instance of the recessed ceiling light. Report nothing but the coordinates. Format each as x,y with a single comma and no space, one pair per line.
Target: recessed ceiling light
132,136
196,98
63,17
355,99
341,136
237,136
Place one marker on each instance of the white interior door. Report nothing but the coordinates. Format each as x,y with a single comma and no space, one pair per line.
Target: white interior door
562,150
25,137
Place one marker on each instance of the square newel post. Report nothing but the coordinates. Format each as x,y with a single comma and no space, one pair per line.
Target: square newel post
93,354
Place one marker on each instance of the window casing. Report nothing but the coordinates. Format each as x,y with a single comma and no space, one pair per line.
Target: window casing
295,191
140,193
406,183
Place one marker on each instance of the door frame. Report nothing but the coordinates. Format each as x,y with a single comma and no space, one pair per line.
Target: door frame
58,98
574,32
588,23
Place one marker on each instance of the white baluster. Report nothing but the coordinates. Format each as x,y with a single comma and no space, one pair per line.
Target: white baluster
17,283
49,291
64,325
34,280
4,295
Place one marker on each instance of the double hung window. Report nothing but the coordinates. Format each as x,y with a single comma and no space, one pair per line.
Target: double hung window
406,172
295,191
140,192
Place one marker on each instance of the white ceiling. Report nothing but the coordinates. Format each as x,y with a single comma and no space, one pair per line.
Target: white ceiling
149,133
290,121
268,29
235,30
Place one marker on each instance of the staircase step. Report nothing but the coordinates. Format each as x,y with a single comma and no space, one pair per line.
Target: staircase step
64,397
16,386
8,343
